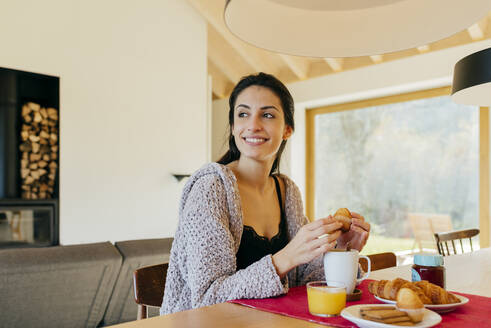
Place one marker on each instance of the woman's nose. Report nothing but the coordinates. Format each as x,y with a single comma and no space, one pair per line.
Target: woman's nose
254,123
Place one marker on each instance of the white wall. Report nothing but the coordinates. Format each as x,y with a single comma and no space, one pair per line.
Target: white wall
133,99
219,128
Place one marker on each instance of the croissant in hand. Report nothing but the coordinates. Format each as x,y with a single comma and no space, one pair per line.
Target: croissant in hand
427,292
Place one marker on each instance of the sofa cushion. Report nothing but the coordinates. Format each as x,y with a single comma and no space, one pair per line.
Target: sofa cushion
136,254
61,286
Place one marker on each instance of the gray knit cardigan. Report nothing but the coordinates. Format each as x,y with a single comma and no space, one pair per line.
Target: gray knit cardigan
202,268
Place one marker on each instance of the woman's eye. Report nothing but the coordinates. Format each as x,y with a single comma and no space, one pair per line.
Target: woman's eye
268,115
242,114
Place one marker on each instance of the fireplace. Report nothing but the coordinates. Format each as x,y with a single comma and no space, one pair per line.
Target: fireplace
29,159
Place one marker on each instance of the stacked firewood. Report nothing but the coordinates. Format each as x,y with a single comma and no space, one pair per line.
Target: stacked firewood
39,151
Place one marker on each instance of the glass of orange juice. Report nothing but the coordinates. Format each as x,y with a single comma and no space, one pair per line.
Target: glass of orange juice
326,299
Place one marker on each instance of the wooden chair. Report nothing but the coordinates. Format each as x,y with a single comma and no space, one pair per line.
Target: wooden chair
149,283
379,261
445,237
425,225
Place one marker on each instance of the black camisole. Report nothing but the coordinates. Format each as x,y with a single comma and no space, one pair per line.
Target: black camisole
254,247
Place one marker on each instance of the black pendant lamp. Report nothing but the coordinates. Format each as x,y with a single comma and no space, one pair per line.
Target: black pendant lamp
472,79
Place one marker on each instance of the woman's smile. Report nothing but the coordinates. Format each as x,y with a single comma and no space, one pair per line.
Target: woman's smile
255,141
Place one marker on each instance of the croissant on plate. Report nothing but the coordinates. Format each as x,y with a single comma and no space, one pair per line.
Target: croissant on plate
409,302
427,292
388,289
437,294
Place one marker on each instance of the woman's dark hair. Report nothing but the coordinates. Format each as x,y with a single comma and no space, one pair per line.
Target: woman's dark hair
279,89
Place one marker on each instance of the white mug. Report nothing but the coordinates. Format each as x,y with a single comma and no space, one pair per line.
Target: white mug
342,266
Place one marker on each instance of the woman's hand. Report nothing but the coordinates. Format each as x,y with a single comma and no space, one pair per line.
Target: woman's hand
307,245
357,235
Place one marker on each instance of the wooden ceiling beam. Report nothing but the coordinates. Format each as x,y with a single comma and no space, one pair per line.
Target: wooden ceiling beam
454,40
423,49
220,84
336,64
477,30
225,58
377,59
212,11
299,66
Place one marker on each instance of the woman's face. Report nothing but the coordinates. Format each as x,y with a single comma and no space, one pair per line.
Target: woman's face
259,123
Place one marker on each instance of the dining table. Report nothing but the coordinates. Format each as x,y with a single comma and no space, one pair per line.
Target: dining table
466,273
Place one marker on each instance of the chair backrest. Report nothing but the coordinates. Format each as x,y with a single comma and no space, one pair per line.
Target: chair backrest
425,225
440,223
379,261
149,283
443,238
136,254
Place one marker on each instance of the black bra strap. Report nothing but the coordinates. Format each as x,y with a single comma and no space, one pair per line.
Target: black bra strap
278,193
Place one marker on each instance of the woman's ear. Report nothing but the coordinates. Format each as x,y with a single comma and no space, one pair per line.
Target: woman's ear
287,132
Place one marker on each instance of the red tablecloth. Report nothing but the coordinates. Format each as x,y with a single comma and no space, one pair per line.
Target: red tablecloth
476,313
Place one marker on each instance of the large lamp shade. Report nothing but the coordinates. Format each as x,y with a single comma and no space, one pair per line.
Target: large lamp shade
472,79
348,28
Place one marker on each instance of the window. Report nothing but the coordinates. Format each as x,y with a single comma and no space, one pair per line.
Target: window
408,163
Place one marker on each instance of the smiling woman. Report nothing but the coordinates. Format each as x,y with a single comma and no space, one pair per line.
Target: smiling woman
242,232
265,89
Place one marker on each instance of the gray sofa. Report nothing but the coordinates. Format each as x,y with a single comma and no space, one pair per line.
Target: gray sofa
74,286
136,254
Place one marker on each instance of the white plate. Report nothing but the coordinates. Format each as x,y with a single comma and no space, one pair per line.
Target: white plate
352,313
440,308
